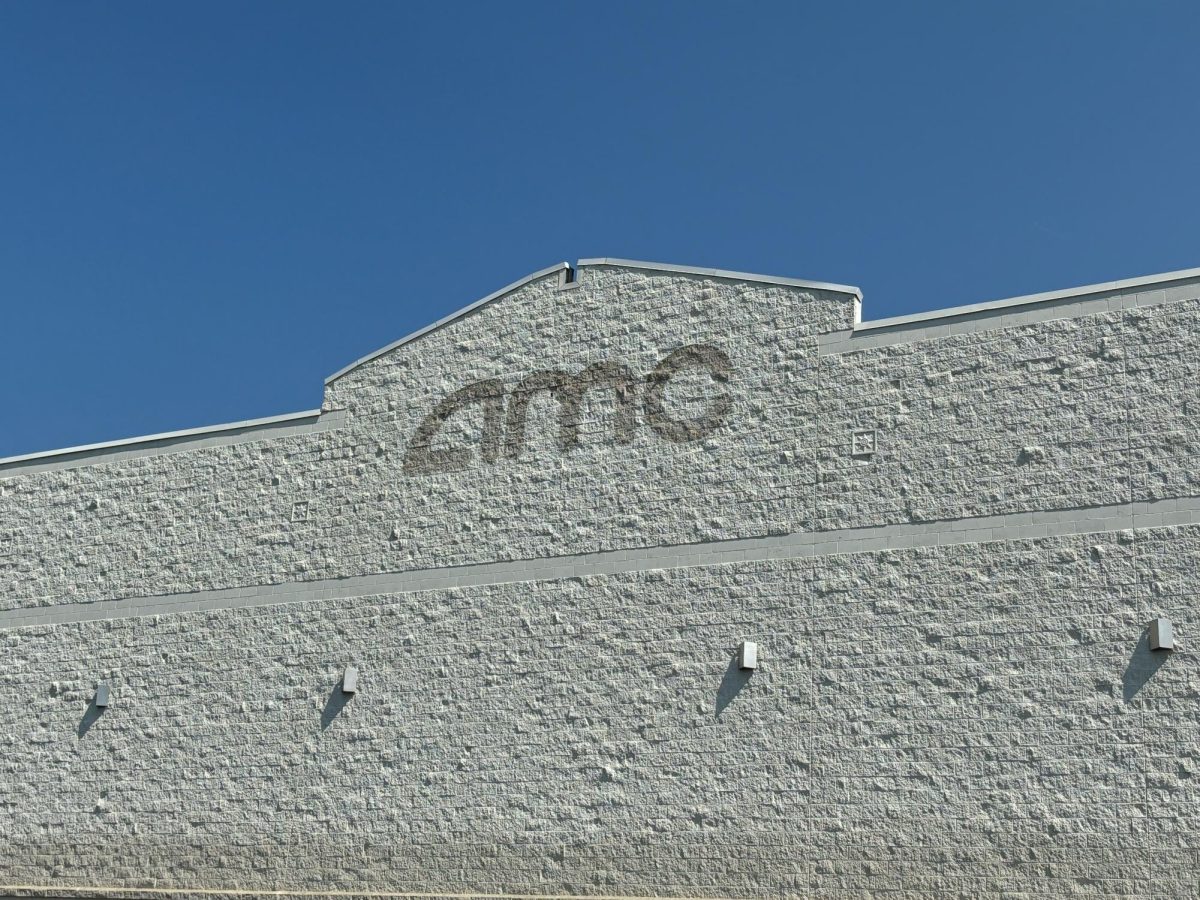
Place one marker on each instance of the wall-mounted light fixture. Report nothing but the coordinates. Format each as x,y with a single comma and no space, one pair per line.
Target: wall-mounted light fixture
350,680
748,655
103,695
1162,635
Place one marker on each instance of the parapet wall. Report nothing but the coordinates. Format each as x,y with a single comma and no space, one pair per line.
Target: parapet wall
539,531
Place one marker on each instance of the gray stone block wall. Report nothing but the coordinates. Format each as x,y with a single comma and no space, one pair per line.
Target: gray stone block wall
218,517
982,718
948,549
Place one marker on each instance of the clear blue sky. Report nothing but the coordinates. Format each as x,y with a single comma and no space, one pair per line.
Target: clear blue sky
207,207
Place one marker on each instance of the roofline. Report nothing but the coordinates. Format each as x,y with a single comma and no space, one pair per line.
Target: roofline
1027,299
520,283
208,430
596,261
314,414
722,273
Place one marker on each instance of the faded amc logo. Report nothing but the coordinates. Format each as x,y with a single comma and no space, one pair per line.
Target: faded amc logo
637,400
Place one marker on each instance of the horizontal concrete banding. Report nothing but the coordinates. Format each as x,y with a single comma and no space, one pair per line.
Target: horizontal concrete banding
1007,527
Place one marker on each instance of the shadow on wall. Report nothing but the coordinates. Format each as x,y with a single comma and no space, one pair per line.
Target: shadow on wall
1142,666
731,685
90,715
335,704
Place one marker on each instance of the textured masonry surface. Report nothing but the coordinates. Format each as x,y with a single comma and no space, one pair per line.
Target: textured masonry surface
947,539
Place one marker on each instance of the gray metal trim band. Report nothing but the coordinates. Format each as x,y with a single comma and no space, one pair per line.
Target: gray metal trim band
174,442
598,261
1009,314
721,273
1125,285
508,289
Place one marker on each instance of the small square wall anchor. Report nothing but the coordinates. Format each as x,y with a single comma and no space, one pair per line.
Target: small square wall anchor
102,696
863,443
748,656
1162,635
350,680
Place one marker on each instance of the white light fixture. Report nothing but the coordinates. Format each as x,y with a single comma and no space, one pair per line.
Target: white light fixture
748,656
1162,635
102,696
350,680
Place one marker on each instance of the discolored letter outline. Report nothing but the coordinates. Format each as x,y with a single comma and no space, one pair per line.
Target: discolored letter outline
693,356
422,459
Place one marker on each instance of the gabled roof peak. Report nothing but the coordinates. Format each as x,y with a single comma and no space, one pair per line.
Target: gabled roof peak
567,275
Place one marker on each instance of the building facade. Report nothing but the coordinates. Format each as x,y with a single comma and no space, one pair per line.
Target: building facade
474,627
